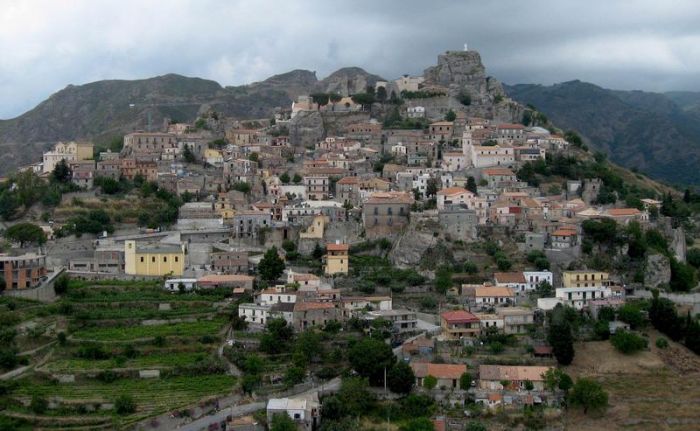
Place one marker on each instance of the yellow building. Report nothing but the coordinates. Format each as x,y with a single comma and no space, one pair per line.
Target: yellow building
336,259
585,278
156,260
315,229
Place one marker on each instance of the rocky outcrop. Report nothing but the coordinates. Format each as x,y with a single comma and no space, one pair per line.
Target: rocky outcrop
463,74
348,81
306,128
657,271
415,241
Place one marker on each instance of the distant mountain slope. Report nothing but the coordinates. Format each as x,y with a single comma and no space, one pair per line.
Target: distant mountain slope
648,131
104,109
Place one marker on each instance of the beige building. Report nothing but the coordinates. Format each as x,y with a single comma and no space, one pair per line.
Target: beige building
70,152
337,259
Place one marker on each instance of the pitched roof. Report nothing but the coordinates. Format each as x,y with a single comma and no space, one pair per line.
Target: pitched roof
450,191
224,278
564,232
348,180
440,371
508,372
509,277
337,247
390,197
510,126
459,316
493,291
307,306
498,171
621,212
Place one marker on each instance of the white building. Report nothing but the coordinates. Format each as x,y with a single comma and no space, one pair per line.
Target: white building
453,161
578,297
454,196
415,111
173,284
533,278
254,313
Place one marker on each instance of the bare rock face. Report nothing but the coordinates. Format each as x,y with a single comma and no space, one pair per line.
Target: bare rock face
348,81
657,271
306,128
462,73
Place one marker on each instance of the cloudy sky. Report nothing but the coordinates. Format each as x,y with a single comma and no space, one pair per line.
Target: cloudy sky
623,44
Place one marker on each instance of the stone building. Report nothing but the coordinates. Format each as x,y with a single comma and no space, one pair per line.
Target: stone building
386,213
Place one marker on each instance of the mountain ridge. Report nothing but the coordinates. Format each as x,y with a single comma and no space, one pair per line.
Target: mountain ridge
637,129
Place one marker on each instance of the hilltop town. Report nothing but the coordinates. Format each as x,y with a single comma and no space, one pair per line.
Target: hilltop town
419,253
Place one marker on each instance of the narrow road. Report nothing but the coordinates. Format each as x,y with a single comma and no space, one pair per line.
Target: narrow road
245,409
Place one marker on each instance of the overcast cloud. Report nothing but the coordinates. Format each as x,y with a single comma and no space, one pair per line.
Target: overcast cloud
47,45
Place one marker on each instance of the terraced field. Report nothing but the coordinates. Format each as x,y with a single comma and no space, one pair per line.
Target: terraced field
113,330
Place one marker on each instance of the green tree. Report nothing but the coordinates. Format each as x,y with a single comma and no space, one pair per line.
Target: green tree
465,381
381,94
544,289
293,376
62,173
369,357
418,424
60,286
125,405
241,186
38,404
429,382
471,184
628,342
693,257
589,395
188,155
355,396
632,314
475,426
25,233
450,116
284,178
683,276
443,279
271,266
400,378
561,339
282,422
297,179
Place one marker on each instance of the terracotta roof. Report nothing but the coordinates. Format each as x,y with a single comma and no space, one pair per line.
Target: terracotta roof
440,371
453,154
509,277
304,277
439,424
390,197
498,171
442,123
543,350
620,212
348,180
453,191
564,232
493,291
337,247
459,316
508,372
510,126
215,278
306,306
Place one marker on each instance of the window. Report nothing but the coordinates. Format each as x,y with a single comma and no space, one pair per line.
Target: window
376,210
153,259
141,259
176,258
165,258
